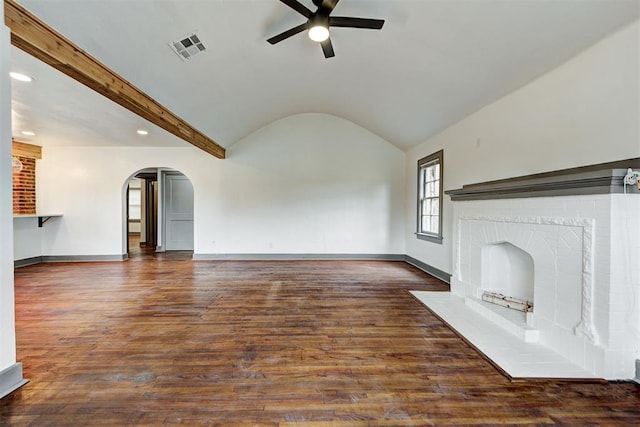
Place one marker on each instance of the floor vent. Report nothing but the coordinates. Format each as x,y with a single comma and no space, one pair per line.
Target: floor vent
187,46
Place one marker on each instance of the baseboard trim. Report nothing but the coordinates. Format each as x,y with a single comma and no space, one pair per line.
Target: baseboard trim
83,258
25,262
298,257
11,379
435,272
68,258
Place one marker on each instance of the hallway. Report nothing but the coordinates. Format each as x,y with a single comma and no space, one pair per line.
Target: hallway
143,253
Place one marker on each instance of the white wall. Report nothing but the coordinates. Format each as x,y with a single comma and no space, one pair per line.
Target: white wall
7,322
310,183
27,238
584,112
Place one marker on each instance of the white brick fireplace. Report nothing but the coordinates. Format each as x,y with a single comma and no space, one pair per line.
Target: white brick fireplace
577,257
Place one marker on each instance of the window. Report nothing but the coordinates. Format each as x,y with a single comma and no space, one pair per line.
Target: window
430,197
134,199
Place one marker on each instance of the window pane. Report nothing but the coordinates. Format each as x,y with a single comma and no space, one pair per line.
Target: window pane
426,207
435,223
434,207
426,224
430,224
134,196
432,189
430,174
134,212
430,206
134,203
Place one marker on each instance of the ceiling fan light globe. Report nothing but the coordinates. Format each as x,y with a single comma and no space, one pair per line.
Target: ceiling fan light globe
318,33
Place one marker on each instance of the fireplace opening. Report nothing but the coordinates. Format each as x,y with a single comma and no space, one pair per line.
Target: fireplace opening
508,271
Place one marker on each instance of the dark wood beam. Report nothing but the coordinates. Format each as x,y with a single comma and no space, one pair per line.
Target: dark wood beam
33,36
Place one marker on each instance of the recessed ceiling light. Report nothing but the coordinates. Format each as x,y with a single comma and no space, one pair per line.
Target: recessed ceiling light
21,77
28,133
142,132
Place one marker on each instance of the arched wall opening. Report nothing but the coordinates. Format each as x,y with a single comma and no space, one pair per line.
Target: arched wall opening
158,203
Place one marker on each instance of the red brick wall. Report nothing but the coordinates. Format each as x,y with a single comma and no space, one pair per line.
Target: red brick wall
24,187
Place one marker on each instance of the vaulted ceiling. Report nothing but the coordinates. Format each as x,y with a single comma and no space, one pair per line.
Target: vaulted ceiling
433,63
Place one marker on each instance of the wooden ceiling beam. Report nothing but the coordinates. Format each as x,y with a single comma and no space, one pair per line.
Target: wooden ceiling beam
33,36
22,149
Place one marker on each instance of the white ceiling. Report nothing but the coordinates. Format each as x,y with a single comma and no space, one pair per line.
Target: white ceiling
433,63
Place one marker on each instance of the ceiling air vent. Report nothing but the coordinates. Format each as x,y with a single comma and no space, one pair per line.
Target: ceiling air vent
187,46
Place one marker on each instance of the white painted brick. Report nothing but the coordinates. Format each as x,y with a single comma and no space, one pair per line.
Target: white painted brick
568,314
601,272
545,308
601,322
594,359
623,363
620,339
558,261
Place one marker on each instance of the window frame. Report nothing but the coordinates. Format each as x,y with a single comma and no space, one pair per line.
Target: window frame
438,157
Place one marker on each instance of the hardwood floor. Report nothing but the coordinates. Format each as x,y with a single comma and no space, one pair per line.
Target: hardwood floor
163,340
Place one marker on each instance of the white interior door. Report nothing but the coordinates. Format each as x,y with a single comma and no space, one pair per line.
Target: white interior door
178,193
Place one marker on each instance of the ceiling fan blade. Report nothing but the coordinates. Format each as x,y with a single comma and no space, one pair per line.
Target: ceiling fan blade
326,6
285,35
298,7
344,21
327,48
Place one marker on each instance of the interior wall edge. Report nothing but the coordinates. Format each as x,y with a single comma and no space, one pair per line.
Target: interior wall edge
11,379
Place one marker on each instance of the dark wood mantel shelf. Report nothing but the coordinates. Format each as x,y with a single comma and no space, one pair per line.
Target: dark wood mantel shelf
604,178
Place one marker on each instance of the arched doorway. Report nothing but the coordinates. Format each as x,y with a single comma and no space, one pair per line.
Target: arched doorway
158,211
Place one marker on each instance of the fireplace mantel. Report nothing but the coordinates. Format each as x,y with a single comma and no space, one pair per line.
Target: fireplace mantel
604,178
582,234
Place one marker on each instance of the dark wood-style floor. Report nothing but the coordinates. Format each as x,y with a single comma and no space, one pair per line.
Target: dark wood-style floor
163,340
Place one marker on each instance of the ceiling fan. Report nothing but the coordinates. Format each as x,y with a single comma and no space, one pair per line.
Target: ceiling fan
319,22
